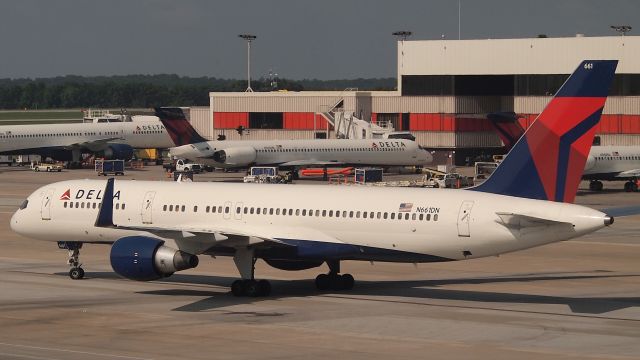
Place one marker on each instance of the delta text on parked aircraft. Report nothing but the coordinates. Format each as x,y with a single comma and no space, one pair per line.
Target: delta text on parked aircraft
158,228
288,153
67,142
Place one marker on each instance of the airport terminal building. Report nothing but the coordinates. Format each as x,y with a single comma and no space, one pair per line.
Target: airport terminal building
445,87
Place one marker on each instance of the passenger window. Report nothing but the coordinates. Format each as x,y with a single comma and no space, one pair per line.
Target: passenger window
238,209
183,207
278,211
227,209
297,212
264,211
24,204
351,213
428,217
337,213
385,215
379,215
304,212
364,214
317,213
195,208
406,216
164,207
358,215
330,213
251,212
290,212
393,216
371,214
413,216
94,205
324,213
421,216
220,209
207,209
246,210
122,206
344,214
258,211
435,217
271,211
82,205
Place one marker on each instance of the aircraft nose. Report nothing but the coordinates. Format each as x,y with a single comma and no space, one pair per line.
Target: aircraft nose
15,222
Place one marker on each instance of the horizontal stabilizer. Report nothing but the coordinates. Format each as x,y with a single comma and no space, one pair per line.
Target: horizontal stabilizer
519,221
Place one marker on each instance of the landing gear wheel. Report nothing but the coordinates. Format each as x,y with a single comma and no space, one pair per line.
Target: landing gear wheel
237,288
347,281
630,186
595,185
323,282
76,273
264,287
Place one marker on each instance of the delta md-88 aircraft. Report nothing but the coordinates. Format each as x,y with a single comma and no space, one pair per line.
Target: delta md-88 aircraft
287,153
67,142
158,228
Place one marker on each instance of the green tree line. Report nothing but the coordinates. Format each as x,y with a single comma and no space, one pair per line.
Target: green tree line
142,91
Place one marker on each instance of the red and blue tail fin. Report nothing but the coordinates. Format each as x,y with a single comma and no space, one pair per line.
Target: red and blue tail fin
548,160
178,127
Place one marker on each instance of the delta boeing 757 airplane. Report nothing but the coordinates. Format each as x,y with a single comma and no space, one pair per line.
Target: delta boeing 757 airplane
158,228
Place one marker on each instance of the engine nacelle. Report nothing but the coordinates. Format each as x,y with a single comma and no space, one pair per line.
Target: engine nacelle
238,156
118,152
144,258
293,265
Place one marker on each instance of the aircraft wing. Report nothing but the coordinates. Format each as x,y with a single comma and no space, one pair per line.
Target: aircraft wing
629,174
94,145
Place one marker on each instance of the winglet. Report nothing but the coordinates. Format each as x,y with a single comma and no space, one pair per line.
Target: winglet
548,160
178,127
105,215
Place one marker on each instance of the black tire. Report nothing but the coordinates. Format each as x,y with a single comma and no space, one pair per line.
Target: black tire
633,186
347,281
323,282
251,288
627,186
237,288
76,273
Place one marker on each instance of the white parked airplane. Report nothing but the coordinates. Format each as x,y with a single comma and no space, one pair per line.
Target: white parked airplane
66,142
287,153
158,228
613,163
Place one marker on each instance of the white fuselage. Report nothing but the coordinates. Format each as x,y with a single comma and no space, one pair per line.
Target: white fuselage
387,152
442,223
607,162
93,136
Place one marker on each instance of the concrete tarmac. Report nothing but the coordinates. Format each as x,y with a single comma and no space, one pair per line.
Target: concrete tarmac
578,299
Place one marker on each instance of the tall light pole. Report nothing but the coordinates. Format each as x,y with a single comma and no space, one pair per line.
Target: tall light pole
621,29
249,38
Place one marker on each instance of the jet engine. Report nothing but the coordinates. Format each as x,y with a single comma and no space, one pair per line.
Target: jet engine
117,152
144,258
237,156
293,265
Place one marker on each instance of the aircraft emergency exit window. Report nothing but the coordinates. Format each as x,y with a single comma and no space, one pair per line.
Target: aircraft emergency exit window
435,217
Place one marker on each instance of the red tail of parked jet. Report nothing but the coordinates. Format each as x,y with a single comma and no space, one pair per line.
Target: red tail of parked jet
180,130
547,162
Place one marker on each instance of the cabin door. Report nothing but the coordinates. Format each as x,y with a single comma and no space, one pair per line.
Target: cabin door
45,208
147,206
464,218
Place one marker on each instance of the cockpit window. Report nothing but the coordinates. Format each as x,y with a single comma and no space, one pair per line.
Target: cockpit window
24,204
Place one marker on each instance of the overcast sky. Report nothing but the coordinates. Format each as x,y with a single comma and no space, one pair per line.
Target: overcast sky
324,39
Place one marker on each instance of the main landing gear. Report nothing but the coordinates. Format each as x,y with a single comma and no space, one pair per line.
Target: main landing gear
76,272
333,280
595,185
248,286
631,186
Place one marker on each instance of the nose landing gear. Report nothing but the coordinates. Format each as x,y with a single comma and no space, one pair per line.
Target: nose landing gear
76,272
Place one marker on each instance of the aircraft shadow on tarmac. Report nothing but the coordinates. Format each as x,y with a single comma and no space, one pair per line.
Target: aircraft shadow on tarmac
402,291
